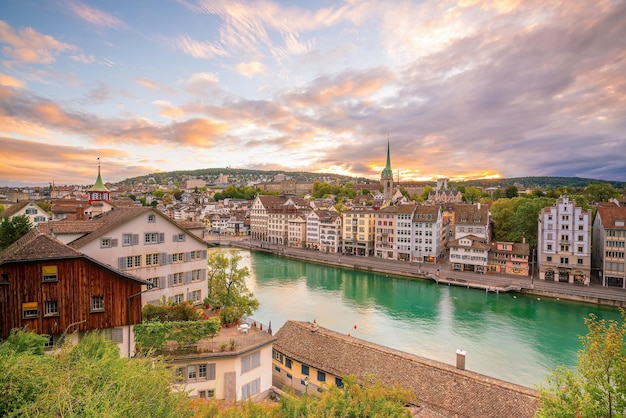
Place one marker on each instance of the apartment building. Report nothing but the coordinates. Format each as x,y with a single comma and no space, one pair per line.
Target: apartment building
609,244
394,223
429,234
359,232
269,216
564,242
297,231
469,253
471,219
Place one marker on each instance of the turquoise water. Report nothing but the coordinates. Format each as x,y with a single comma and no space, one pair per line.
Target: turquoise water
509,336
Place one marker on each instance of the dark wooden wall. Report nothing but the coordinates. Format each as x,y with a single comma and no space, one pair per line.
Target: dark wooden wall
78,280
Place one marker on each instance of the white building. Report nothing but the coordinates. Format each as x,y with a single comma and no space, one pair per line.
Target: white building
564,242
28,208
144,242
469,253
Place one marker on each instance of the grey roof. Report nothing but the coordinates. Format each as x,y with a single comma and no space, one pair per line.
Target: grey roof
438,386
15,208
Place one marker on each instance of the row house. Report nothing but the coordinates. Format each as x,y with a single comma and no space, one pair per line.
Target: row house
609,244
390,220
359,232
260,216
237,225
564,242
296,232
469,253
144,242
508,258
471,219
52,289
430,234
323,231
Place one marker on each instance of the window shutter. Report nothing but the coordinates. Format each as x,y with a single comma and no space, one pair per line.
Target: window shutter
203,275
114,242
170,258
175,238
170,278
163,259
204,254
187,278
135,239
161,237
162,282
117,335
121,263
187,257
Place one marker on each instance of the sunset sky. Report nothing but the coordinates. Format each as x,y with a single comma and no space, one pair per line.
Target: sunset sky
461,89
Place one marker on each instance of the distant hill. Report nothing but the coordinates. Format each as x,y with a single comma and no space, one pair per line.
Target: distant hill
241,175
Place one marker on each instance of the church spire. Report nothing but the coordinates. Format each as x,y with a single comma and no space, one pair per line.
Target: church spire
99,191
386,177
387,172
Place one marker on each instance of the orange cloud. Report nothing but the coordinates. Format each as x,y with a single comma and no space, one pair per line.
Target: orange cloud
7,80
28,45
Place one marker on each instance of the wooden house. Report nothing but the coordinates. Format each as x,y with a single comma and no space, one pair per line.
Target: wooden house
55,290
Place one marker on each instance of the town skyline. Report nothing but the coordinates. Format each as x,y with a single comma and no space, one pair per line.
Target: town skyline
462,90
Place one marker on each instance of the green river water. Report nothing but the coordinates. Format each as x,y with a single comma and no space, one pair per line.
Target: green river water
509,336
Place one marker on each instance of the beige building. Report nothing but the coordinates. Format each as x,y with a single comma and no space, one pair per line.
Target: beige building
609,244
359,232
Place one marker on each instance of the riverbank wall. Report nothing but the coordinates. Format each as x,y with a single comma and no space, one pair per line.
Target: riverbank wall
497,283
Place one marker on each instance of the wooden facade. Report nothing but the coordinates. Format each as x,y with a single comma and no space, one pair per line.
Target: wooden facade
51,294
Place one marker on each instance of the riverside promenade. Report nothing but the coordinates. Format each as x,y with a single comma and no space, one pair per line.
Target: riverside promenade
593,293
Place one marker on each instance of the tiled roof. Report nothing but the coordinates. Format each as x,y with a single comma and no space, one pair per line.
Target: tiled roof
110,220
439,387
610,214
422,212
477,242
13,209
36,245
471,214
518,248
70,227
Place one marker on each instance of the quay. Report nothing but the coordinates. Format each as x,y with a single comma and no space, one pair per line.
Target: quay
593,293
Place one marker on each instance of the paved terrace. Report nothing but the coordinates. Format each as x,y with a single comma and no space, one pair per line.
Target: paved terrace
594,293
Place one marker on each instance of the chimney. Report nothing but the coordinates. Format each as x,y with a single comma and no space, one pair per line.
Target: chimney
80,213
460,359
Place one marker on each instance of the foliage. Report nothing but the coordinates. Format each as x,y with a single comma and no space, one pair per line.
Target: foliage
226,283
369,399
597,387
473,194
151,336
12,229
85,380
340,191
517,218
21,341
511,191
247,193
45,206
170,312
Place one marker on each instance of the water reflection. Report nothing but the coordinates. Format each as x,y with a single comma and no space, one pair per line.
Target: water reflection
509,336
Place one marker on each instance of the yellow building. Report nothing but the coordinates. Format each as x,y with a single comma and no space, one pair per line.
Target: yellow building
359,232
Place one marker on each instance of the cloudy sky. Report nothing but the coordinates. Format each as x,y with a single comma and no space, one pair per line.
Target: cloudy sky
461,89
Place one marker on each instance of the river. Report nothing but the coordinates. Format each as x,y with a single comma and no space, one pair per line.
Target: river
509,336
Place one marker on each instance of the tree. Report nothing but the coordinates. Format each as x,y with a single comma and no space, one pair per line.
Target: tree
227,288
511,192
12,229
472,194
597,387
89,379
517,218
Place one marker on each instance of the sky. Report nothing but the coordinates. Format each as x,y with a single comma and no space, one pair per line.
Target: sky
463,89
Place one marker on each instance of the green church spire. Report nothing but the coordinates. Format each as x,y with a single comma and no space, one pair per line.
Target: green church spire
99,185
387,173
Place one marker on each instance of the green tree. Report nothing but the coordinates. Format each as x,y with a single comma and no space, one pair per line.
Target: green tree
472,194
12,229
517,218
600,192
227,288
84,380
511,192
597,387
158,193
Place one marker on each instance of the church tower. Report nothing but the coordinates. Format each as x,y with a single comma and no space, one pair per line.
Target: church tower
99,192
386,178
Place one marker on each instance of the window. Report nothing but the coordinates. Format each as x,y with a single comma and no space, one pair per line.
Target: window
51,308
133,261
192,373
288,363
195,296
549,258
338,382
30,310
153,283
250,362
4,278
105,243
152,259
177,278
205,394
278,356
31,211
151,238
49,274
580,261
196,275
50,343
178,299
305,370
321,376
97,304
179,238
196,255
39,219
178,257
130,239
151,218
250,389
